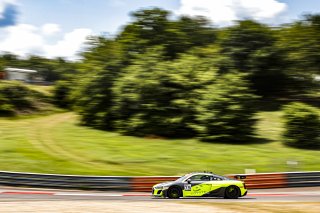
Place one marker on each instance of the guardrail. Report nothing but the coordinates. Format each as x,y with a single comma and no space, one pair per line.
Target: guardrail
112,183
265,181
144,184
298,179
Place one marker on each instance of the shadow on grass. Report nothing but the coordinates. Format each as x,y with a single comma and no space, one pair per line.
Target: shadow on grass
247,141
275,104
310,148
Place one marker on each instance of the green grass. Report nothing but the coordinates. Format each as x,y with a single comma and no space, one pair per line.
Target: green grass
57,144
46,90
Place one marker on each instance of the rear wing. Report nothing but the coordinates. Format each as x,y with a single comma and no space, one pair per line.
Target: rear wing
240,177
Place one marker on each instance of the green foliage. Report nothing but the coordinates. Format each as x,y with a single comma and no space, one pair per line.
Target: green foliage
15,97
302,126
301,42
226,110
61,94
152,27
251,48
93,98
159,98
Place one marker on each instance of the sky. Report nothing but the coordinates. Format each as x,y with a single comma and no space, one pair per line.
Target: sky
59,28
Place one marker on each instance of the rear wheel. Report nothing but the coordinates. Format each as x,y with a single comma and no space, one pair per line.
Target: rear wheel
174,192
232,192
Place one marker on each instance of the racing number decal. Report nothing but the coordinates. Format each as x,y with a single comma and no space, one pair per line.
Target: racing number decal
187,187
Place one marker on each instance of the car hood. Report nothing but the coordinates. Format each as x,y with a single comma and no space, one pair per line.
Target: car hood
164,184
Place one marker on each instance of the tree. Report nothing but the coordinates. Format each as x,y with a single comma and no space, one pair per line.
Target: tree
152,27
251,48
155,97
226,110
93,97
301,42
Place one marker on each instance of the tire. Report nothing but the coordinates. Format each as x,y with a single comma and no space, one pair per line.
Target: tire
232,192
174,192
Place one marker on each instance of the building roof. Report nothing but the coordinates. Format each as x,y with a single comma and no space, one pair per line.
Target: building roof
10,69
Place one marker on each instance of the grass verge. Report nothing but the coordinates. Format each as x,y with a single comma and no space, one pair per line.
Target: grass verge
57,144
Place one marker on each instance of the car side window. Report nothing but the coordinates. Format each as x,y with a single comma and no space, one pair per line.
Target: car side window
215,178
201,178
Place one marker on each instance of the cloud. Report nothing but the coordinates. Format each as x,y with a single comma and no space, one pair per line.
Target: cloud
24,39
21,39
224,12
50,29
8,13
69,45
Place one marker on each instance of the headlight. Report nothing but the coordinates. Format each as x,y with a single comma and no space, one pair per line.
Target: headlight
161,187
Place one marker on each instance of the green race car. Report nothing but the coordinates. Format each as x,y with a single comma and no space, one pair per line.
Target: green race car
201,184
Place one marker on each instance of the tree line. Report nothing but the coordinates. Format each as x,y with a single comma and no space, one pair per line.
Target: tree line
183,77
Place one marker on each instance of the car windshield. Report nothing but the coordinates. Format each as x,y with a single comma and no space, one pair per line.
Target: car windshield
202,177
180,179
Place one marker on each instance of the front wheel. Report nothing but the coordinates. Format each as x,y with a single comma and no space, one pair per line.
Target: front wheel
174,193
232,192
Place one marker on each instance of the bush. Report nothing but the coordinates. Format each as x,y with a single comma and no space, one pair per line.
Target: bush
6,109
61,94
16,97
302,126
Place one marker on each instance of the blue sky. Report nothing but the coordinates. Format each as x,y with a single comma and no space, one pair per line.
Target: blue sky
54,28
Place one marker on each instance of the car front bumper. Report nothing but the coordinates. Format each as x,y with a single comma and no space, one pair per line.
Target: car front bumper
158,192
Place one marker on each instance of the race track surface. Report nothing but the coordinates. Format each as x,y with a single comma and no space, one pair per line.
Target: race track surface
17,200
305,194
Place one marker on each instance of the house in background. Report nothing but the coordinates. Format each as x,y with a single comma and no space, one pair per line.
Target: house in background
17,74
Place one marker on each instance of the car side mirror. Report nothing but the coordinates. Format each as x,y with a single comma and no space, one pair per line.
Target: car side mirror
189,181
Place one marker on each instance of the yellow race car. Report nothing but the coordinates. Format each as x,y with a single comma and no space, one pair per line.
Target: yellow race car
202,184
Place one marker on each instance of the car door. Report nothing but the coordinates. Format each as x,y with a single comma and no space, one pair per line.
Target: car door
198,186
215,182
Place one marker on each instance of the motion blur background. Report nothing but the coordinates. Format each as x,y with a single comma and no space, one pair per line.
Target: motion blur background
123,87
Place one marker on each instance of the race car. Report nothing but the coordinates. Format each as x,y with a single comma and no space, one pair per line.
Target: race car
201,184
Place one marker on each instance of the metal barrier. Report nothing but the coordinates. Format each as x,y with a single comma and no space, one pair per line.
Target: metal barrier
300,179
114,183
265,181
144,184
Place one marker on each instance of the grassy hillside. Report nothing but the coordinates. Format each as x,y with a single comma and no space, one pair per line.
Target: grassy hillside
57,144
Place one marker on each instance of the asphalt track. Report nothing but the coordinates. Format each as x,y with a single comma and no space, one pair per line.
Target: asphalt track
10,194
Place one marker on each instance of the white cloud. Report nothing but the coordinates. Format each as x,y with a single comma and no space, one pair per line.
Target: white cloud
24,39
223,12
50,29
69,45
